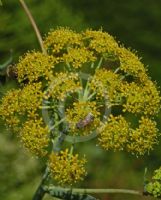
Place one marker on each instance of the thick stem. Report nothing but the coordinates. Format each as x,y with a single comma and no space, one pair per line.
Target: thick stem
40,192
53,191
28,13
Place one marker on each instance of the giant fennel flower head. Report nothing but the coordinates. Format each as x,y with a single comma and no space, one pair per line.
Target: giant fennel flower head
86,85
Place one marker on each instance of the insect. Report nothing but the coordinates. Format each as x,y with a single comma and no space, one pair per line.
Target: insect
85,122
11,71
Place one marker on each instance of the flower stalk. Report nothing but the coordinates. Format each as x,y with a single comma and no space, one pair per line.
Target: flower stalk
52,190
33,23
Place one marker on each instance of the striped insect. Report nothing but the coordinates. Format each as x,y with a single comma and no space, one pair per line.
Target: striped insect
85,122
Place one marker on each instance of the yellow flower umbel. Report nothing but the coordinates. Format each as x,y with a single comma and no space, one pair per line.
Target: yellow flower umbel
58,41
141,98
114,134
30,97
35,136
20,102
34,65
9,108
143,138
154,187
63,84
100,42
67,168
78,113
131,64
81,78
107,85
78,56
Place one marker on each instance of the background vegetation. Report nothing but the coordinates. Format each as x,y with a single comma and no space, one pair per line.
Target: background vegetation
136,24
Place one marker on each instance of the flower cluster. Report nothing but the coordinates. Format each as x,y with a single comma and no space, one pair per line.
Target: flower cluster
30,98
117,134
114,133
59,40
78,113
142,99
81,78
154,187
9,107
131,64
106,84
78,56
143,138
21,102
67,168
35,136
157,174
100,42
62,85
34,65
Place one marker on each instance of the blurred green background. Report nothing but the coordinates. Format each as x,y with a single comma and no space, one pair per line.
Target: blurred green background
137,24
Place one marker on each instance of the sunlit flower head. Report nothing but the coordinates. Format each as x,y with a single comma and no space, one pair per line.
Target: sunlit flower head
154,187
100,42
35,136
30,97
143,138
78,56
130,63
78,114
34,65
114,134
9,107
21,102
107,85
62,85
67,168
58,41
141,98
157,174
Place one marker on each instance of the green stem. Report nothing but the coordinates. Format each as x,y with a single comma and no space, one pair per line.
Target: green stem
86,92
99,64
29,15
53,189
40,192
57,124
90,96
57,142
68,66
117,70
92,65
47,107
71,149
